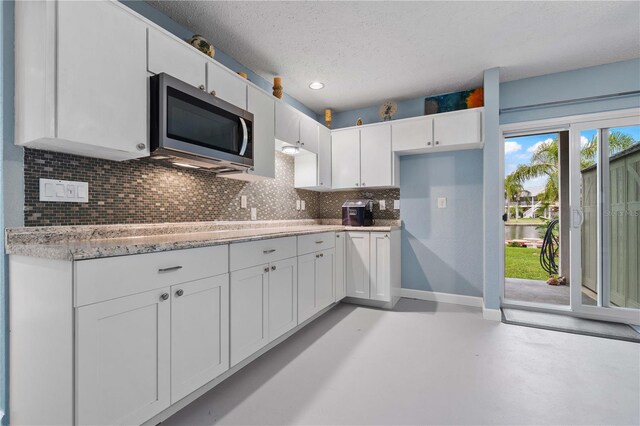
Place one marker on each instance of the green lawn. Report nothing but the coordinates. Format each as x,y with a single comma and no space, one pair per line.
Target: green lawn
526,221
523,263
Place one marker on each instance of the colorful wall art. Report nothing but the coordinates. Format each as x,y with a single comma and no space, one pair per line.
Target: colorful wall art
454,101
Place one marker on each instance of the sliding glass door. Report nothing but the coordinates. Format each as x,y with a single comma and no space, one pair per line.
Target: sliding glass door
605,219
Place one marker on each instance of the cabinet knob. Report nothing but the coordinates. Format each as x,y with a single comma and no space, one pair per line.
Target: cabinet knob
317,256
357,184
321,183
179,292
266,269
213,92
141,147
337,236
363,184
273,268
201,87
321,254
164,296
386,235
429,143
437,142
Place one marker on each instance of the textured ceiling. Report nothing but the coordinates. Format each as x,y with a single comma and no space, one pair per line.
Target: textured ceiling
366,52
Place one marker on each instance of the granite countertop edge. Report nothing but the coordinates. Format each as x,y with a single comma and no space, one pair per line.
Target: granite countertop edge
124,246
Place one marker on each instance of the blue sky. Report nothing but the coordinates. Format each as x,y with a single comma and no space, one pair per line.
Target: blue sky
519,150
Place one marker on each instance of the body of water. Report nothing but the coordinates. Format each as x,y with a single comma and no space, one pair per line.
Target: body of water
519,232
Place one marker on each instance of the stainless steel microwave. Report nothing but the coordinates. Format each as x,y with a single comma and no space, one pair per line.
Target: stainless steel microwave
192,128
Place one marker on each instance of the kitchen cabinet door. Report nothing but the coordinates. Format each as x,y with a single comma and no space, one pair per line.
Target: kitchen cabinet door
249,311
262,106
324,157
287,123
176,58
308,134
325,273
345,159
102,80
226,85
122,359
306,287
199,333
357,274
283,297
376,156
380,267
457,129
305,170
412,135
340,291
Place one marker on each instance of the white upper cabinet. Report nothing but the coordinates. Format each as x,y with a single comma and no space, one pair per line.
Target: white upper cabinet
308,134
176,58
413,134
345,158
85,90
375,156
458,130
262,107
305,173
324,157
287,123
226,85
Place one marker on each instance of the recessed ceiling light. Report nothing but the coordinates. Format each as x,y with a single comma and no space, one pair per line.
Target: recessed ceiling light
290,149
316,85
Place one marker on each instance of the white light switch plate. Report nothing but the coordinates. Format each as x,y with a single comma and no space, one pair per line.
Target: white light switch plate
297,204
254,213
383,204
64,191
243,201
302,205
442,202
396,204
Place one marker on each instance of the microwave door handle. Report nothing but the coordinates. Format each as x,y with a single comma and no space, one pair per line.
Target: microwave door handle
245,136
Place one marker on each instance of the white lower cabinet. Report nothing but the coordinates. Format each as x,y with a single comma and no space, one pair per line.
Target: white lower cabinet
199,333
373,266
357,270
315,283
123,359
263,306
249,315
340,283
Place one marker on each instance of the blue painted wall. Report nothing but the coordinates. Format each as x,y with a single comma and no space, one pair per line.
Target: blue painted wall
407,108
184,33
442,248
608,79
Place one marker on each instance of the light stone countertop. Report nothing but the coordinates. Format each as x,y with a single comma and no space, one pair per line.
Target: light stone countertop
80,243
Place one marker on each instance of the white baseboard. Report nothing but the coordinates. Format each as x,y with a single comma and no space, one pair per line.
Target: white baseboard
491,314
434,296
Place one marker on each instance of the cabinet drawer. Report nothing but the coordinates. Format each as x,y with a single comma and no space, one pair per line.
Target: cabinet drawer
252,253
98,280
315,242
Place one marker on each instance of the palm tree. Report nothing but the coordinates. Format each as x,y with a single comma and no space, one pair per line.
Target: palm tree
544,162
513,191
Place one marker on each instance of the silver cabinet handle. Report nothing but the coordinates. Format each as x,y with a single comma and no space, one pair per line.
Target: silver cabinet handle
273,268
268,251
245,136
164,296
179,292
213,92
266,269
319,242
172,268
201,87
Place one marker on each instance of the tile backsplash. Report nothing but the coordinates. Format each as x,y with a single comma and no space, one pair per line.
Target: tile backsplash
139,191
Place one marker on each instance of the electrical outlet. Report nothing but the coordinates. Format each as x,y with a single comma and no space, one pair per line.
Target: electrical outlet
64,191
442,202
302,205
297,204
254,213
396,204
383,204
243,201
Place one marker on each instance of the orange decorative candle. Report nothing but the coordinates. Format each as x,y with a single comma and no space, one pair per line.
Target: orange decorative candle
327,117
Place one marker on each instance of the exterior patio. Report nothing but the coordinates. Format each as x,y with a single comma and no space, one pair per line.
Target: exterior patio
537,291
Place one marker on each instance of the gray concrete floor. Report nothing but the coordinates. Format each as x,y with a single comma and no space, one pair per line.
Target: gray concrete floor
427,363
540,292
